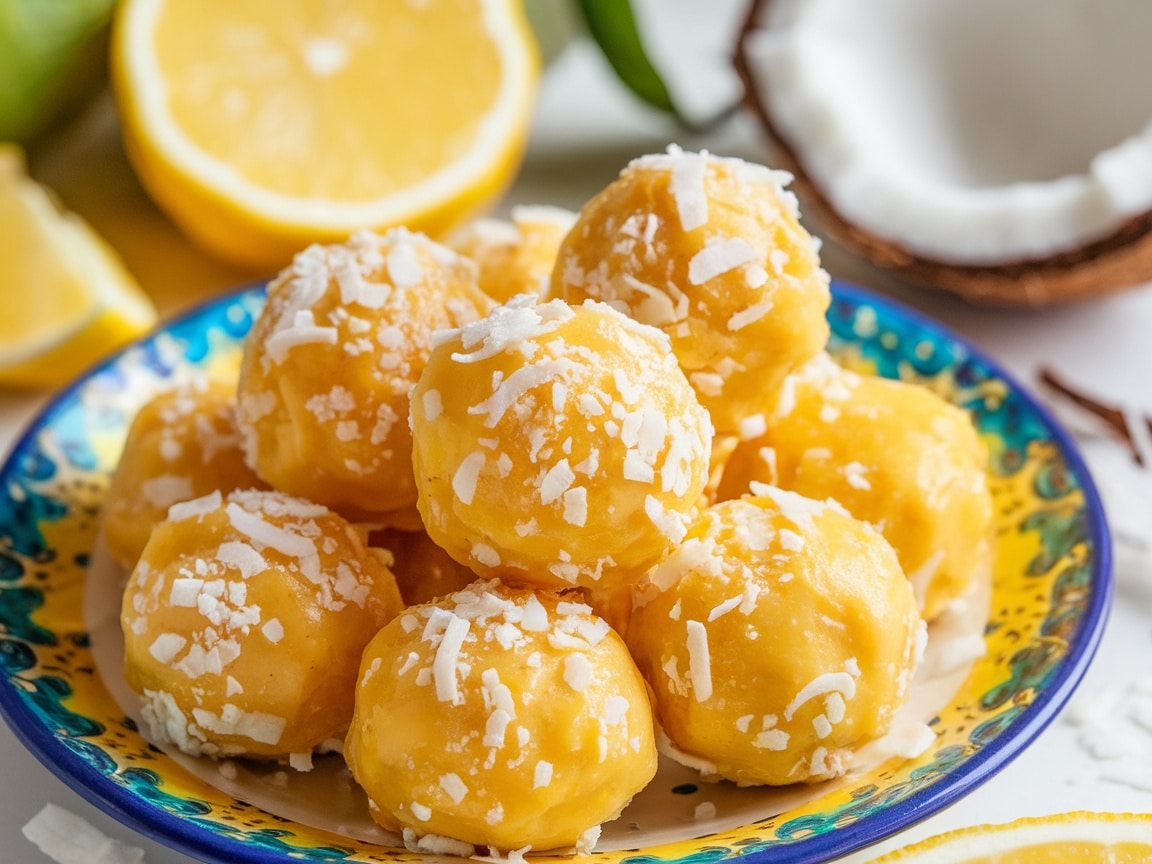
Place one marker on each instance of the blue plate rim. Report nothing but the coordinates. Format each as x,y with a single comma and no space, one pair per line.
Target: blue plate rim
186,836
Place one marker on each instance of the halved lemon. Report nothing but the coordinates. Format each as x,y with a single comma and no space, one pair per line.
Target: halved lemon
261,126
1069,838
66,297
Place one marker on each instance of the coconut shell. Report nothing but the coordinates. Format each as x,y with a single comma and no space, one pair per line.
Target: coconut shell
1116,262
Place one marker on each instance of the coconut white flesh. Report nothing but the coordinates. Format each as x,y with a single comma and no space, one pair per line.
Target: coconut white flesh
973,132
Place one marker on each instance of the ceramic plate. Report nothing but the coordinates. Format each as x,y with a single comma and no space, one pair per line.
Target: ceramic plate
1049,596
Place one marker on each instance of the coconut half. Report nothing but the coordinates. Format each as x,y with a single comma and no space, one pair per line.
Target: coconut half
1000,150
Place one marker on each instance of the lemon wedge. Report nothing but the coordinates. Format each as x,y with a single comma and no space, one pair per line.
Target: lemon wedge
1074,838
261,126
66,298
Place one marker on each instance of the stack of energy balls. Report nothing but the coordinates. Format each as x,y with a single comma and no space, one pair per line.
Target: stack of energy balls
496,519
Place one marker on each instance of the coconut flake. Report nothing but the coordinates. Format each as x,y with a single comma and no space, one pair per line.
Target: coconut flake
718,257
576,506
750,315
404,265
243,557
301,762
535,617
196,507
911,739
496,727
67,838
519,320
233,720
725,607
166,646
185,592
699,660
446,659
466,476
166,489
302,331
688,190
578,672
517,384
556,482
839,682
293,545
433,404
542,775
273,630
455,788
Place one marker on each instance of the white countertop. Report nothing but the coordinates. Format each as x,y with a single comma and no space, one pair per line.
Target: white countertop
586,129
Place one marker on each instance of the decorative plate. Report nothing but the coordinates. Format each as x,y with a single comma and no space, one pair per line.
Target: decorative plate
59,687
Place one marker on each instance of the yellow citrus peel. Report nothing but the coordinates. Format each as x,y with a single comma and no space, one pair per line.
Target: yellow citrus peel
1067,838
67,298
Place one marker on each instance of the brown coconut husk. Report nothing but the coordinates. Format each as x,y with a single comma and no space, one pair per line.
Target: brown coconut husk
1107,265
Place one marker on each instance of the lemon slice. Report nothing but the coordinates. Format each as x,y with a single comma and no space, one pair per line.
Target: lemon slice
66,298
263,125
1075,838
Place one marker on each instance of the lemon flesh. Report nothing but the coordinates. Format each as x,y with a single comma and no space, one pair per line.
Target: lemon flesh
263,125
66,299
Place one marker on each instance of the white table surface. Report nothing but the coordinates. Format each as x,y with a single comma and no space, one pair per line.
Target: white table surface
586,128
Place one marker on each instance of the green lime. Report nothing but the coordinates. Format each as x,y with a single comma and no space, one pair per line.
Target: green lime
53,59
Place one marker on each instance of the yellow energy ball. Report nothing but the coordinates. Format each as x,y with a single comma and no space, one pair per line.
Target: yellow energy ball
344,334
500,717
244,622
516,256
778,638
182,444
893,454
710,250
557,445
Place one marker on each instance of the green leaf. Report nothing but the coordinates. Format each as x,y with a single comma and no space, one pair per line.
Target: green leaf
613,26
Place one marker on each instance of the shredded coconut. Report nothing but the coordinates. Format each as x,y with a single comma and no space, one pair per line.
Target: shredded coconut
466,476
839,682
542,775
751,315
69,839
578,672
688,190
699,660
447,656
719,256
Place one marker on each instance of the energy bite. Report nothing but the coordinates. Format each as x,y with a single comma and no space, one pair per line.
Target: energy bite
344,334
517,256
557,445
182,444
244,622
893,454
777,639
500,717
711,251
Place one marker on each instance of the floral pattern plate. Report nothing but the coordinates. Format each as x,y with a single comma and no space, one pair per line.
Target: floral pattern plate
1050,592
